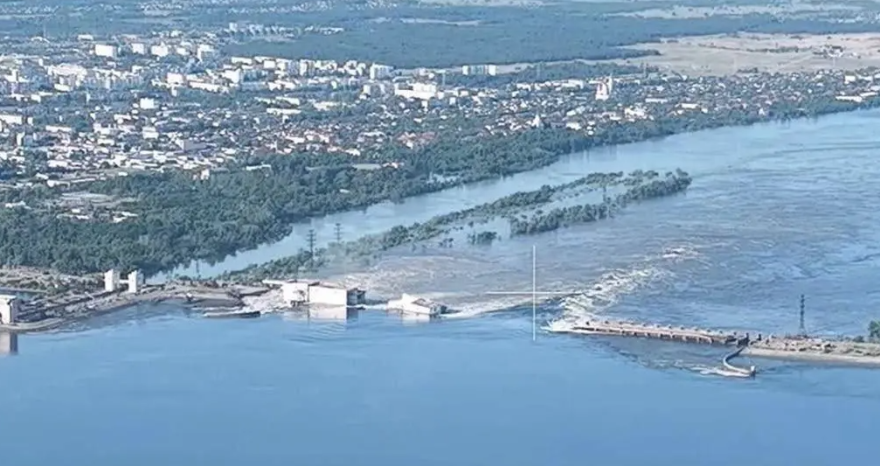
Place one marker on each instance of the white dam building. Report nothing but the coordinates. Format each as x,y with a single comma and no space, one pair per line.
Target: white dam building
316,292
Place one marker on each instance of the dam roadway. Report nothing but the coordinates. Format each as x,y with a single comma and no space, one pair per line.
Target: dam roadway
798,347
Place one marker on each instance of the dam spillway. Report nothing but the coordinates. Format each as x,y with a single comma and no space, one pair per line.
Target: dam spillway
659,332
798,347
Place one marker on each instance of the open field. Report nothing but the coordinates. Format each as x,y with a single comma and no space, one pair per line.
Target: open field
715,55
794,9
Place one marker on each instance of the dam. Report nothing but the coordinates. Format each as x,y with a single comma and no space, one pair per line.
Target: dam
787,347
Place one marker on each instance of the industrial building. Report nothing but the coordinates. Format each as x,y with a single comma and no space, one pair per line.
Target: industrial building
415,305
135,281
9,306
315,292
111,280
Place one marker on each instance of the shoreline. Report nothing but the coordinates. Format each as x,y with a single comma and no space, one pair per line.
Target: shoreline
812,109
814,357
38,317
873,105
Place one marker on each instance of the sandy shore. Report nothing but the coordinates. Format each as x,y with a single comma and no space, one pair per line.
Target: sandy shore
813,356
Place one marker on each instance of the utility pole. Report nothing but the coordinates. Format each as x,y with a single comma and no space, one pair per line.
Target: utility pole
803,328
311,239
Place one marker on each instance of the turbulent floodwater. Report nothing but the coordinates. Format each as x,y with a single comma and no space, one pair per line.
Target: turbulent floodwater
774,211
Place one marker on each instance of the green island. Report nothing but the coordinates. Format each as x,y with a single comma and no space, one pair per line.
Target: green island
641,189
638,186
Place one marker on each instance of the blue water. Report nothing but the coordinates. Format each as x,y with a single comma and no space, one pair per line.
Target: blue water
187,391
774,211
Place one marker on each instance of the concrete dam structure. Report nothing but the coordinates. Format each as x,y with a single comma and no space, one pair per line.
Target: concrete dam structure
846,351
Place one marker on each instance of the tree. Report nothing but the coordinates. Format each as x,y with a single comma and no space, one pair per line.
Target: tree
874,330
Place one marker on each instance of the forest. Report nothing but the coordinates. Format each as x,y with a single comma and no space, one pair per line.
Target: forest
641,189
589,30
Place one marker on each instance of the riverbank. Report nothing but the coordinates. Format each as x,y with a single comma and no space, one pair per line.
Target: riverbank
817,350
240,210
52,312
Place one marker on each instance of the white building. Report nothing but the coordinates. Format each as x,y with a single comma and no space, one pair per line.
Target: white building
11,119
135,280
418,91
479,70
139,48
9,306
604,89
205,52
160,50
111,280
313,292
147,104
106,50
410,304
380,71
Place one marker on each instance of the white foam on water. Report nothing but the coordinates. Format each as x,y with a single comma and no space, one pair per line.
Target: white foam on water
718,371
612,286
463,284
265,303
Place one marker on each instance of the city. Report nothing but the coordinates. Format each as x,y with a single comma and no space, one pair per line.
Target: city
244,230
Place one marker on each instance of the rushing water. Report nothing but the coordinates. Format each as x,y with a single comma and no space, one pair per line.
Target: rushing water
774,211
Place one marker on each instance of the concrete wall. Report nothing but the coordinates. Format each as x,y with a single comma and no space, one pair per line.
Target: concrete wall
8,343
293,292
8,309
135,281
111,280
321,294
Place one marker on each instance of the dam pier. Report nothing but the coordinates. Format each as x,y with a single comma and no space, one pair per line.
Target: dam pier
48,312
789,347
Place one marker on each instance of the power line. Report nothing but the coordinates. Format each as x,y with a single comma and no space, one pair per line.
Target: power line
534,292
803,328
311,239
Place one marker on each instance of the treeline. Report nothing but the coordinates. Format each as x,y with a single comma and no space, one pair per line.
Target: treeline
402,235
561,217
590,33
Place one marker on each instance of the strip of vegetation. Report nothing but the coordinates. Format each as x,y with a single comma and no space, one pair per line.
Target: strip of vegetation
642,185
674,183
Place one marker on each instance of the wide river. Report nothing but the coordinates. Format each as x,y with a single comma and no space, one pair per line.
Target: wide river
775,211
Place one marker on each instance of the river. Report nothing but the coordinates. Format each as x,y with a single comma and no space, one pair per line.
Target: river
697,152
774,211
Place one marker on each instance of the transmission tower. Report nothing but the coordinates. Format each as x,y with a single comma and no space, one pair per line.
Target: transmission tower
803,328
311,239
338,231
